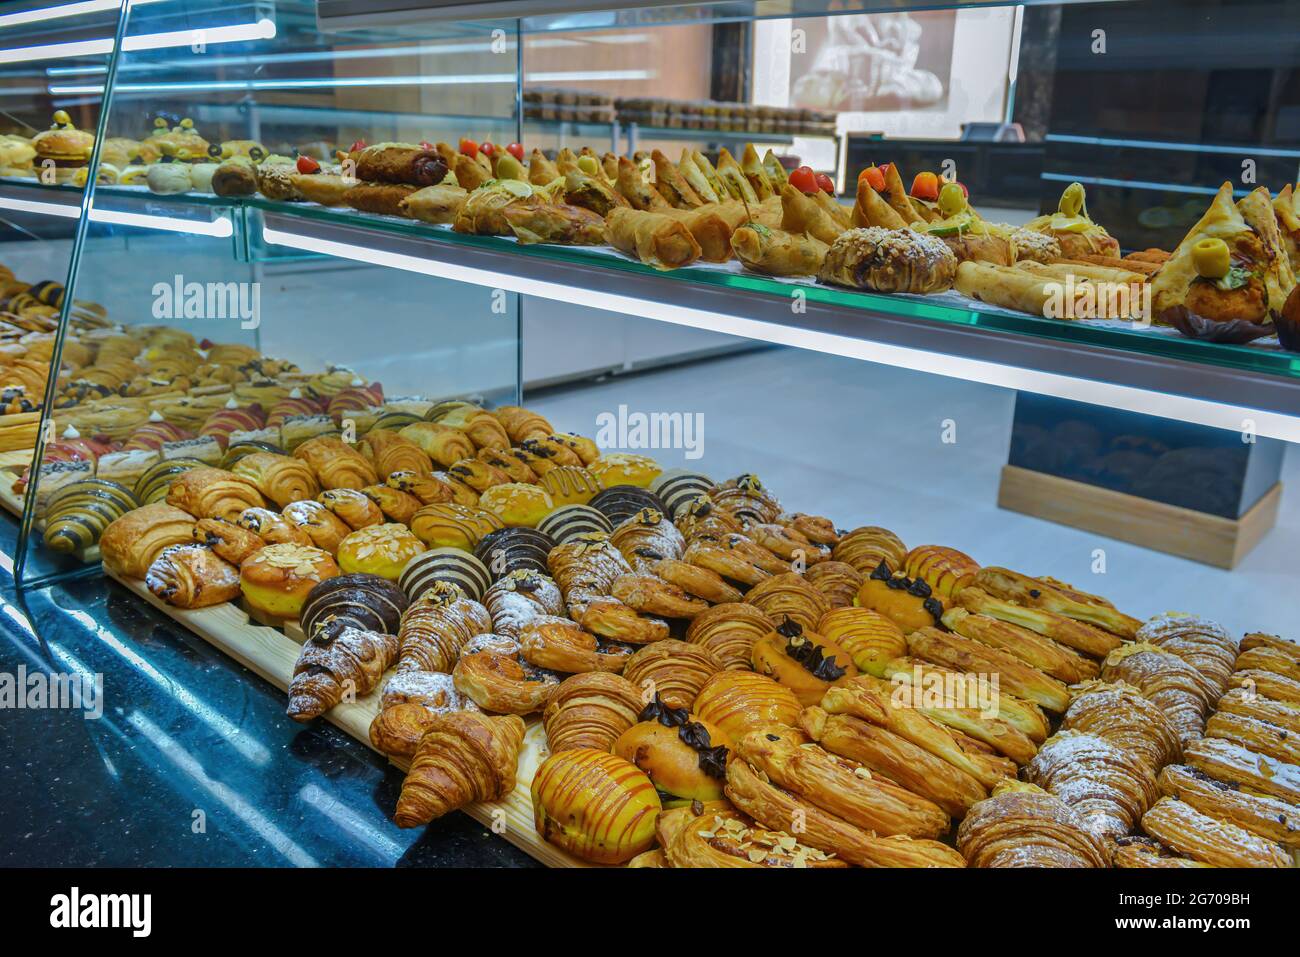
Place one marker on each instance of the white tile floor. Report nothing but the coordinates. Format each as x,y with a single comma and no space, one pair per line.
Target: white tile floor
862,444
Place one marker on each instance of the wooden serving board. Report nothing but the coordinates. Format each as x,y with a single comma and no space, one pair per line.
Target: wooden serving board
271,654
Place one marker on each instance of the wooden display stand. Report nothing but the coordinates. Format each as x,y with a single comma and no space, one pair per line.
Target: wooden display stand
271,653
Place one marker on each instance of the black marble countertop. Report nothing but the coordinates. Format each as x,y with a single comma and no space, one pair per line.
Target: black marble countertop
192,761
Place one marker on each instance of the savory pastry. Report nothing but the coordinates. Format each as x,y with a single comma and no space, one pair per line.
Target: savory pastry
595,805
869,638
236,176
322,527
1023,681
884,260
362,601
192,576
590,710
500,684
1109,788
1073,229
1024,826
463,758
775,252
1186,830
684,759
728,631
336,464
386,199
227,540
355,508
399,163
1182,692
336,663
439,204
276,580
327,189
966,232
213,493
381,550
656,239
1122,715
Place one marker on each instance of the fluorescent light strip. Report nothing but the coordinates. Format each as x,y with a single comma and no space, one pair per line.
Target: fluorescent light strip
329,82
261,30
1158,145
219,228
1186,409
66,210
1135,184
62,11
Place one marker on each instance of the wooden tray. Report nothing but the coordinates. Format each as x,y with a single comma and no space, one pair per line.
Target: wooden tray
271,653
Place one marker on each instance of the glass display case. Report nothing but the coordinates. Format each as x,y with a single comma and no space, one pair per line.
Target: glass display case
748,296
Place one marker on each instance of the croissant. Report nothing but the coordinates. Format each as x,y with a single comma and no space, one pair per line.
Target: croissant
647,537
390,453
1020,679
1024,826
789,596
893,756
436,627
227,539
1182,692
824,831
729,631
280,478
1267,817
479,424
335,662
674,670
1233,764
192,576
442,443
1033,649
651,595
213,493
872,700
1120,714
1110,789
594,805
130,544
1186,830
590,711
585,568
272,527
322,527
464,757
1202,643
396,505
839,786
336,464
398,728
522,424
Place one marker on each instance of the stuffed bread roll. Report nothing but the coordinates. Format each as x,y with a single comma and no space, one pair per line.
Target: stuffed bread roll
400,163
776,252
656,239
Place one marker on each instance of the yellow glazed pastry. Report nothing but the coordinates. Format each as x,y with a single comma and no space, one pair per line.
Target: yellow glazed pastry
275,580
381,550
517,504
570,485
594,805
625,468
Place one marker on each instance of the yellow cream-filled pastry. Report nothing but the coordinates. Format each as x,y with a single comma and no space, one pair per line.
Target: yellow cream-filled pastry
624,468
517,504
381,550
276,580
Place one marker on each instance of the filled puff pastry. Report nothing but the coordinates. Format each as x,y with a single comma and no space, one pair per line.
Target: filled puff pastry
500,684
729,630
227,539
1186,830
463,758
595,805
436,627
738,702
1136,851
1022,680
130,544
1021,825
280,478
1182,692
673,670
192,576
1268,817
1120,714
213,493
1233,764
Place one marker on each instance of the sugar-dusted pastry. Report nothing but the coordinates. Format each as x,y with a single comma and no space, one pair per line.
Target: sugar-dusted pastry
676,487
728,631
1033,649
516,504
362,601
646,537
436,627
448,565
1202,643
336,662
1267,817
396,505
276,580
1269,684
322,527
518,597
1138,851
401,723
1182,692
590,710
336,464
464,758
585,568
1119,713
381,550
1253,704
227,539
870,639
428,489
1233,764
280,478
953,651
1024,826
595,805
866,547
1186,830
685,759
801,660
1271,660
355,508
213,493
501,684
451,525
192,576
1109,788
559,644
737,702
390,452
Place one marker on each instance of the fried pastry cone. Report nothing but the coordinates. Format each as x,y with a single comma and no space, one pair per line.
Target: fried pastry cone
1020,679
1078,635
729,631
389,452
227,539
1186,830
336,464
803,215
873,700
1033,649
1202,643
893,756
464,758
1259,736
383,198
1235,765
1182,692
1120,714
594,805
1242,702
671,185
192,576
673,670
776,252
338,662
1268,817
1110,789
1056,597
1024,826
211,493
840,786
590,711
819,829
1269,684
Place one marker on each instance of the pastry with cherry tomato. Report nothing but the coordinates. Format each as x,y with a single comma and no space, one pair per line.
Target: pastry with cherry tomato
966,233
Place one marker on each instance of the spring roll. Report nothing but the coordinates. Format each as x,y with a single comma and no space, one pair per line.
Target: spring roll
385,198
633,187
591,192
872,210
712,226
656,239
755,173
609,163
775,252
734,178
776,173
696,178
541,170
671,185
1060,270
557,223
1006,286
710,175
841,214
435,204
802,214
897,198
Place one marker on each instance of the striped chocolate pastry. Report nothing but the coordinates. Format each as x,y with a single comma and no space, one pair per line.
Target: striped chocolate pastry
515,549
621,502
571,520
677,487
78,513
446,565
360,601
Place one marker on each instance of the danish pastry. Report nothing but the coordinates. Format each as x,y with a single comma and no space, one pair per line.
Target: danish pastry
518,597
1202,643
1250,705
654,596
624,468
463,758
1269,659
1233,764
678,487
1266,817
610,618
672,670
962,654
595,805
726,838
569,521
909,602
946,570
1136,851
647,537
277,579
442,443
736,702
445,564
789,596
1056,597
322,527
696,581
733,557
570,485
560,645
1122,715
522,424
1177,688
869,638
788,544
514,549
1033,649
1082,637
280,478
590,710
336,464
355,508
866,547
620,502
227,540
396,505
389,452
680,756
436,627
585,568
192,576
1269,684
729,631
1110,789
516,504
499,683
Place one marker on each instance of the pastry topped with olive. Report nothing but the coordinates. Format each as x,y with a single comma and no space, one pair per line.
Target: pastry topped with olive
67,147
181,142
966,232
1071,226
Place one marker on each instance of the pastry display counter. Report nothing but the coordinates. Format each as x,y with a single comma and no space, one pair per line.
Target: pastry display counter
285,407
